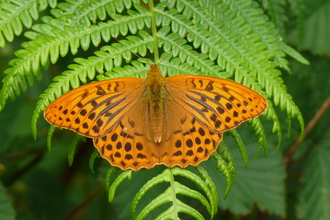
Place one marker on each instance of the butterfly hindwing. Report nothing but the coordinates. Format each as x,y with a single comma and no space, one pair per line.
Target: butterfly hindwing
186,141
130,144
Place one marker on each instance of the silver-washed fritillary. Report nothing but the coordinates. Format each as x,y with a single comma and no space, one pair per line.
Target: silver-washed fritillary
138,123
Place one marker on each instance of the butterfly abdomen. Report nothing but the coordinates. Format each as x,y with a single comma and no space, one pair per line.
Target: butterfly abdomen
155,96
156,119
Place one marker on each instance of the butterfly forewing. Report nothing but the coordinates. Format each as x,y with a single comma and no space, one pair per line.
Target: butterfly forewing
94,109
217,104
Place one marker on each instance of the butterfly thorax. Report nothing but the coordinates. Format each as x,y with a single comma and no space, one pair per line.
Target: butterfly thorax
155,91
155,80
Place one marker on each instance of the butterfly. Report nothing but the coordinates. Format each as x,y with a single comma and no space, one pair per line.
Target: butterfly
138,123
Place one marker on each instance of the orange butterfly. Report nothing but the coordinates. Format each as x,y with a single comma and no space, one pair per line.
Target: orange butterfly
138,123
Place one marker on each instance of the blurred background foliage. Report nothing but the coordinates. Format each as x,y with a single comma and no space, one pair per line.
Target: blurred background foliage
39,184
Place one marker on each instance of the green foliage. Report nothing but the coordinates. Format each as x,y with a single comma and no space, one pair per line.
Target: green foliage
170,195
308,36
6,210
314,197
243,40
261,183
16,14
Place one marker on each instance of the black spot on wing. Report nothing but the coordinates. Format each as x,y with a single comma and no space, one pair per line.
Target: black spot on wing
100,91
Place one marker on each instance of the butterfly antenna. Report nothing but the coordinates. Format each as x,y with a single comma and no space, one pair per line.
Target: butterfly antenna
168,53
131,51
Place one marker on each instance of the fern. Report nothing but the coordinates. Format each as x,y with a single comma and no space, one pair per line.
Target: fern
170,195
276,12
16,14
228,39
225,165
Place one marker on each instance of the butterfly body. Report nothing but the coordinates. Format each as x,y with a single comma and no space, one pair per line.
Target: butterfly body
138,123
155,92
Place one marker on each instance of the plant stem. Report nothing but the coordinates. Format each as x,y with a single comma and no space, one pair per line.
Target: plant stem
309,127
78,210
154,30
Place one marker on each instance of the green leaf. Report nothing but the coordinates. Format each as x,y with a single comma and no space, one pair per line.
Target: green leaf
314,197
293,53
315,38
261,183
6,209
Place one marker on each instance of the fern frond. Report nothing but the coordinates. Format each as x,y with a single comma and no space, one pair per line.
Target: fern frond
170,195
45,45
260,132
120,178
16,14
240,144
136,69
73,146
276,10
271,115
213,189
225,165
107,182
50,136
293,53
262,30
85,69
67,8
276,88
188,55
91,12
259,65
177,207
92,159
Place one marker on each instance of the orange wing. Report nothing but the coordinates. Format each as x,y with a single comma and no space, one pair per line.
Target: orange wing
115,113
198,110
186,141
218,104
130,144
95,109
